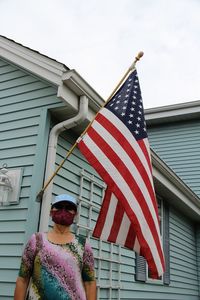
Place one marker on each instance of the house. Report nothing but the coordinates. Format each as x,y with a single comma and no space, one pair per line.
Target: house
44,107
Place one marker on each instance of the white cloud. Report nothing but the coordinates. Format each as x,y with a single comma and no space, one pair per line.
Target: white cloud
100,38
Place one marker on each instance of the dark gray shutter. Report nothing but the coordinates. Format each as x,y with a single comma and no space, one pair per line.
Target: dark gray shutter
140,265
166,243
140,274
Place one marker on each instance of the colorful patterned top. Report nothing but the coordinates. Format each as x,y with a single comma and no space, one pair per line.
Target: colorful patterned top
57,271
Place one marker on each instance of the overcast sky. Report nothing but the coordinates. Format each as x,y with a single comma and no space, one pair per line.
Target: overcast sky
100,39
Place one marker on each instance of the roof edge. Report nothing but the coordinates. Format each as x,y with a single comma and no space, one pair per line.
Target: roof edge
176,112
189,201
32,61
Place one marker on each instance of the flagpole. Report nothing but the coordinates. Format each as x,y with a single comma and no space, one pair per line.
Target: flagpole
130,69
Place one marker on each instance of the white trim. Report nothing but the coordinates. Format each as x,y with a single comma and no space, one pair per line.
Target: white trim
32,61
175,112
49,69
176,191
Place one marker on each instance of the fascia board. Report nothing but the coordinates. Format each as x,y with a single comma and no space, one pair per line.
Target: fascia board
175,112
32,61
185,198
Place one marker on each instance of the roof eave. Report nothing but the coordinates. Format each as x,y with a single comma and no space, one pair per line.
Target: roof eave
177,112
174,189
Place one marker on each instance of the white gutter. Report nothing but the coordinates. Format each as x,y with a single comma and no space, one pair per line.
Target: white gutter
51,157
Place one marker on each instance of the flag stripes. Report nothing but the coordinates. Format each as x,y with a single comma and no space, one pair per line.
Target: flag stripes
125,187
116,145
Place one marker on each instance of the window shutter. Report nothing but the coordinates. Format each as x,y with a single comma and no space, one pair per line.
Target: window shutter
140,272
166,249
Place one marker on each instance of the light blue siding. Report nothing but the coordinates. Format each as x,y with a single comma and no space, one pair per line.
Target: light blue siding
24,128
178,144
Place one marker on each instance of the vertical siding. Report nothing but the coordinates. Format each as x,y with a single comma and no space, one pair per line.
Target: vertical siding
24,100
116,272
178,144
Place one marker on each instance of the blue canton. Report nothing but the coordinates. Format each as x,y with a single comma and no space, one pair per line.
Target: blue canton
127,105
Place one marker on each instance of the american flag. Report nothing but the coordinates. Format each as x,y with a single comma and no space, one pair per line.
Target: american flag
116,145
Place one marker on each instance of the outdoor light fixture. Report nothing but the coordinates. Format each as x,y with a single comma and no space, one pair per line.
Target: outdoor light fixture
9,186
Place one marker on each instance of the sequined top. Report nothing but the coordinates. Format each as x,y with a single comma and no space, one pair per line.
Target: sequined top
57,271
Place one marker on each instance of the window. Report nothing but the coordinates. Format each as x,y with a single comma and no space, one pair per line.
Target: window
142,273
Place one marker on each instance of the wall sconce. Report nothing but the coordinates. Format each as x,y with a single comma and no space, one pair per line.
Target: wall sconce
10,182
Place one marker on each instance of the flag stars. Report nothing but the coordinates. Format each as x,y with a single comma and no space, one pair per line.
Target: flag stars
127,105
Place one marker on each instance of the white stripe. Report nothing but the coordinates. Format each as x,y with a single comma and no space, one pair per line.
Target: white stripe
136,247
109,219
125,189
124,226
119,150
123,230
128,136
146,142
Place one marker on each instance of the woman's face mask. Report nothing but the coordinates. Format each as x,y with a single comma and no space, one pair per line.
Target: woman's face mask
62,217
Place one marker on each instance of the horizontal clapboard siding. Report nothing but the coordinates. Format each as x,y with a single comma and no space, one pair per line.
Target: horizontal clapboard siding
198,249
178,144
23,101
183,267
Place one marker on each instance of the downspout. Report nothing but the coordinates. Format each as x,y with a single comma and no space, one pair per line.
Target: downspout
51,157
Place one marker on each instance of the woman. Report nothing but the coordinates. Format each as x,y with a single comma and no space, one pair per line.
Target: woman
60,264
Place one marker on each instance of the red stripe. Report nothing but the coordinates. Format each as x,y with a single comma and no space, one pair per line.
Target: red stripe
116,222
146,153
130,238
102,215
100,169
108,151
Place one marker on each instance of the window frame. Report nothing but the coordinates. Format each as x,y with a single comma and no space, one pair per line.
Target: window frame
141,273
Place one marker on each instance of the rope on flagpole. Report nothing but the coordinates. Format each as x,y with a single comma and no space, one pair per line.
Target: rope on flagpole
130,69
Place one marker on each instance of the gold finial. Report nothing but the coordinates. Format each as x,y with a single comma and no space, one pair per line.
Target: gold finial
140,54
132,67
